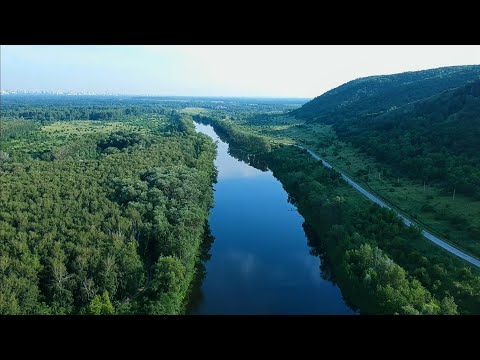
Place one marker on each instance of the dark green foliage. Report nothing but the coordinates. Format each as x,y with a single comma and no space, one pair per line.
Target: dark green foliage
86,232
235,136
59,108
100,305
15,128
375,274
168,284
434,139
182,124
373,95
121,140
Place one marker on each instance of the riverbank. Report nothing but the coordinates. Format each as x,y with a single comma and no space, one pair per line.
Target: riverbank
355,233
455,220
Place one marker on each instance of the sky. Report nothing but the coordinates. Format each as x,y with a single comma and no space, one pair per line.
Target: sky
302,71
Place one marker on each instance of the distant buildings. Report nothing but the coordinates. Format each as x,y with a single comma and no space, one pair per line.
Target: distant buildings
33,92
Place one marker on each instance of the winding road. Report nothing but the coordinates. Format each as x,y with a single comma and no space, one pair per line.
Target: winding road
427,235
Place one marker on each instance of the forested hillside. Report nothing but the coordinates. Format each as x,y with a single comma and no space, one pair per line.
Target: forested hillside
102,217
435,140
373,95
424,124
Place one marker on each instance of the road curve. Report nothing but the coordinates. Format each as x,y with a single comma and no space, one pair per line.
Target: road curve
427,235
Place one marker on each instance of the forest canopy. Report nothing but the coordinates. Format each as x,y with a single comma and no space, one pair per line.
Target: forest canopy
103,217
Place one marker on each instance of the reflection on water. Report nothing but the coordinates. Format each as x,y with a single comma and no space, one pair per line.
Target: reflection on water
196,294
229,169
260,260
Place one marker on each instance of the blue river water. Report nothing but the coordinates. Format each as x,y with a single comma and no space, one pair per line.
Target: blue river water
260,262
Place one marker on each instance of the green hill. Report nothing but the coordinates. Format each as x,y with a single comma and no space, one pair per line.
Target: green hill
424,125
373,95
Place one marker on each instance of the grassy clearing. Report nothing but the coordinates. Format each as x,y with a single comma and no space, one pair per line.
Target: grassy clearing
82,127
60,133
194,111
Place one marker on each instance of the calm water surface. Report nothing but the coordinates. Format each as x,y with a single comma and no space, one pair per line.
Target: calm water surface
260,261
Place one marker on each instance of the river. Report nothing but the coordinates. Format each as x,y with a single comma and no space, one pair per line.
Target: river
260,262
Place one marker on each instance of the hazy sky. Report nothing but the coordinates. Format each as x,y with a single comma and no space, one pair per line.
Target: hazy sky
284,71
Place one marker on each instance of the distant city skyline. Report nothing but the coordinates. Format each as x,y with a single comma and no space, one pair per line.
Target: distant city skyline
74,93
214,70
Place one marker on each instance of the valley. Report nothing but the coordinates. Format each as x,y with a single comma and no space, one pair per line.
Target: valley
191,205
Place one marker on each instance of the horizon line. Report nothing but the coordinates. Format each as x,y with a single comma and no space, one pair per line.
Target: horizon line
71,93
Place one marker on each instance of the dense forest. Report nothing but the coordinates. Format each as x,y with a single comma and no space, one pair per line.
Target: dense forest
99,217
423,124
373,95
435,140
239,139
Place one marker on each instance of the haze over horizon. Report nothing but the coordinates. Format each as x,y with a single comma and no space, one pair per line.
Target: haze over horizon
214,70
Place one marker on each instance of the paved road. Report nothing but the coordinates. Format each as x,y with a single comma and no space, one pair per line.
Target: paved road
406,220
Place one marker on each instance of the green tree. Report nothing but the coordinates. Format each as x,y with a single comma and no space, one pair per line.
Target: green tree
448,306
101,305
